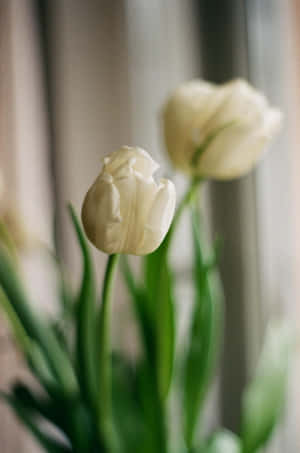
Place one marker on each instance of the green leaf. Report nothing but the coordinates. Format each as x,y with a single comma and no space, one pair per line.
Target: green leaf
86,319
35,357
43,406
63,324
16,326
159,289
223,442
263,400
127,409
146,377
153,410
66,297
39,366
206,327
82,427
25,415
33,326
7,241
68,416
140,306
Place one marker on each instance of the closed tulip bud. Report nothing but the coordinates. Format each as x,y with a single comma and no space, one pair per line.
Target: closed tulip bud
125,210
218,131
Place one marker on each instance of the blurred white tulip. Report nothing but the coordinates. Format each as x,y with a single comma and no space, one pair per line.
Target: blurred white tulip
125,210
218,131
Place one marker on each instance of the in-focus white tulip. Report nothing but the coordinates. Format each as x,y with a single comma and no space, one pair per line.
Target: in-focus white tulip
125,210
229,124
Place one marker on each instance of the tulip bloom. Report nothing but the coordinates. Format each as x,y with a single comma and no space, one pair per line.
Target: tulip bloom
218,132
125,210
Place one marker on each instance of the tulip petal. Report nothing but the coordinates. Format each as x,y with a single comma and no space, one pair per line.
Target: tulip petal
102,202
231,154
184,116
117,207
197,110
130,157
236,150
160,217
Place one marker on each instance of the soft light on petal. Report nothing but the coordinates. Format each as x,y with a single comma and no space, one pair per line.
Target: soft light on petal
125,210
159,217
238,118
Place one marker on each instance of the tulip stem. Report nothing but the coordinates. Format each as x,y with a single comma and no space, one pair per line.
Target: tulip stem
186,200
105,409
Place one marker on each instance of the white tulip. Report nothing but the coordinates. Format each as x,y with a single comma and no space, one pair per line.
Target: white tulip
125,210
232,123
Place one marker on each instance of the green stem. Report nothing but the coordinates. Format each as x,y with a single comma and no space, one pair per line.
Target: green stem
105,409
206,328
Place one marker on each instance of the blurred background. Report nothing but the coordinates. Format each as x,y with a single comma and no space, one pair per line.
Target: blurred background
78,79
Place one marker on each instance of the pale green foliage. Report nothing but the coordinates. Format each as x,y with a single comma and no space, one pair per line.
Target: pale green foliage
265,395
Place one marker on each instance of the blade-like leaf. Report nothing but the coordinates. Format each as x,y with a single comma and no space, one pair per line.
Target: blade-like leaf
159,289
25,415
16,326
30,349
153,411
66,296
70,417
62,325
41,405
146,377
140,306
86,319
129,420
206,327
7,241
264,398
33,326
40,368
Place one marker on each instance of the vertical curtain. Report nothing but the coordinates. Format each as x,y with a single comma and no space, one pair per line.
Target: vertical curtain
78,80
24,164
